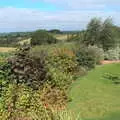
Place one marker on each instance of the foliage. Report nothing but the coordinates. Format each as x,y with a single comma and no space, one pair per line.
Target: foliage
55,31
100,33
28,69
26,81
115,78
5,73
112,54
66,60
42,37
86,58
74,37
59,79
20,102
93,29
62,65
106,36
12,39
53,97
28,105
97,52
116,31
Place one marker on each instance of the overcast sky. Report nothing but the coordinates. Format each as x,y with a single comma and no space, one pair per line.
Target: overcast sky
27,15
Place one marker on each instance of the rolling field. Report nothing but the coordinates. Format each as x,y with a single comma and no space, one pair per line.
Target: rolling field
6,49
94,97
61,37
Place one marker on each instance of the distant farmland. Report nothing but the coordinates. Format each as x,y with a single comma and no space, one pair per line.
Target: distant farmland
6,49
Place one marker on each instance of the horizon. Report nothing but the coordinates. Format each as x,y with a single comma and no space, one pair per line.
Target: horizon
66,15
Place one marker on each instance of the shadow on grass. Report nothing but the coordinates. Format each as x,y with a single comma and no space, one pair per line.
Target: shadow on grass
113,116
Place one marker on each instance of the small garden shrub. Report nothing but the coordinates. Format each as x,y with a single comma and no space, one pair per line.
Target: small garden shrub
86,58
112,54
97,52
113,77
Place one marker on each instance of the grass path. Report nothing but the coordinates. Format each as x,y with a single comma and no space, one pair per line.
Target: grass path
94,97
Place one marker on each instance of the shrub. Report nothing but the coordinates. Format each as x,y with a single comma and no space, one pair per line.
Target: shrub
62,65
5,72
97,52
59,79
28,69
22,97
112,54
42,37
115,78
21,102
28,105
86,58
54,98
65,59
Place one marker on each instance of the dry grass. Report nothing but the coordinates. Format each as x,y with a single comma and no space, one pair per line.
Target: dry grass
61,37
6,49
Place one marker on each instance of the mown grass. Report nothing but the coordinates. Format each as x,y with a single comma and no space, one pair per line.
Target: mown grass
95,97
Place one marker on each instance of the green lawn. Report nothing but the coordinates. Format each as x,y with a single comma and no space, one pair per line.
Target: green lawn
95,97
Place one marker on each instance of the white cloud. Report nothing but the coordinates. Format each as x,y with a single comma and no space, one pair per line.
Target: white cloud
16,19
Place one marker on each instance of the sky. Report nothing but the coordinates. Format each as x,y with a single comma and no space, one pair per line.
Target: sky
29,15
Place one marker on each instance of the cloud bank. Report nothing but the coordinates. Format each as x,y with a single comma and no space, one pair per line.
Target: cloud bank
74,16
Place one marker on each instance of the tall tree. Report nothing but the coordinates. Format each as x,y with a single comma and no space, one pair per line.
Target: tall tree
107,40
100,33
93,30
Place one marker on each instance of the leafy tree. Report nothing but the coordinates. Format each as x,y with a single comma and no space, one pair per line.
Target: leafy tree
106,39
42,37
93,30
100,33
56,31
